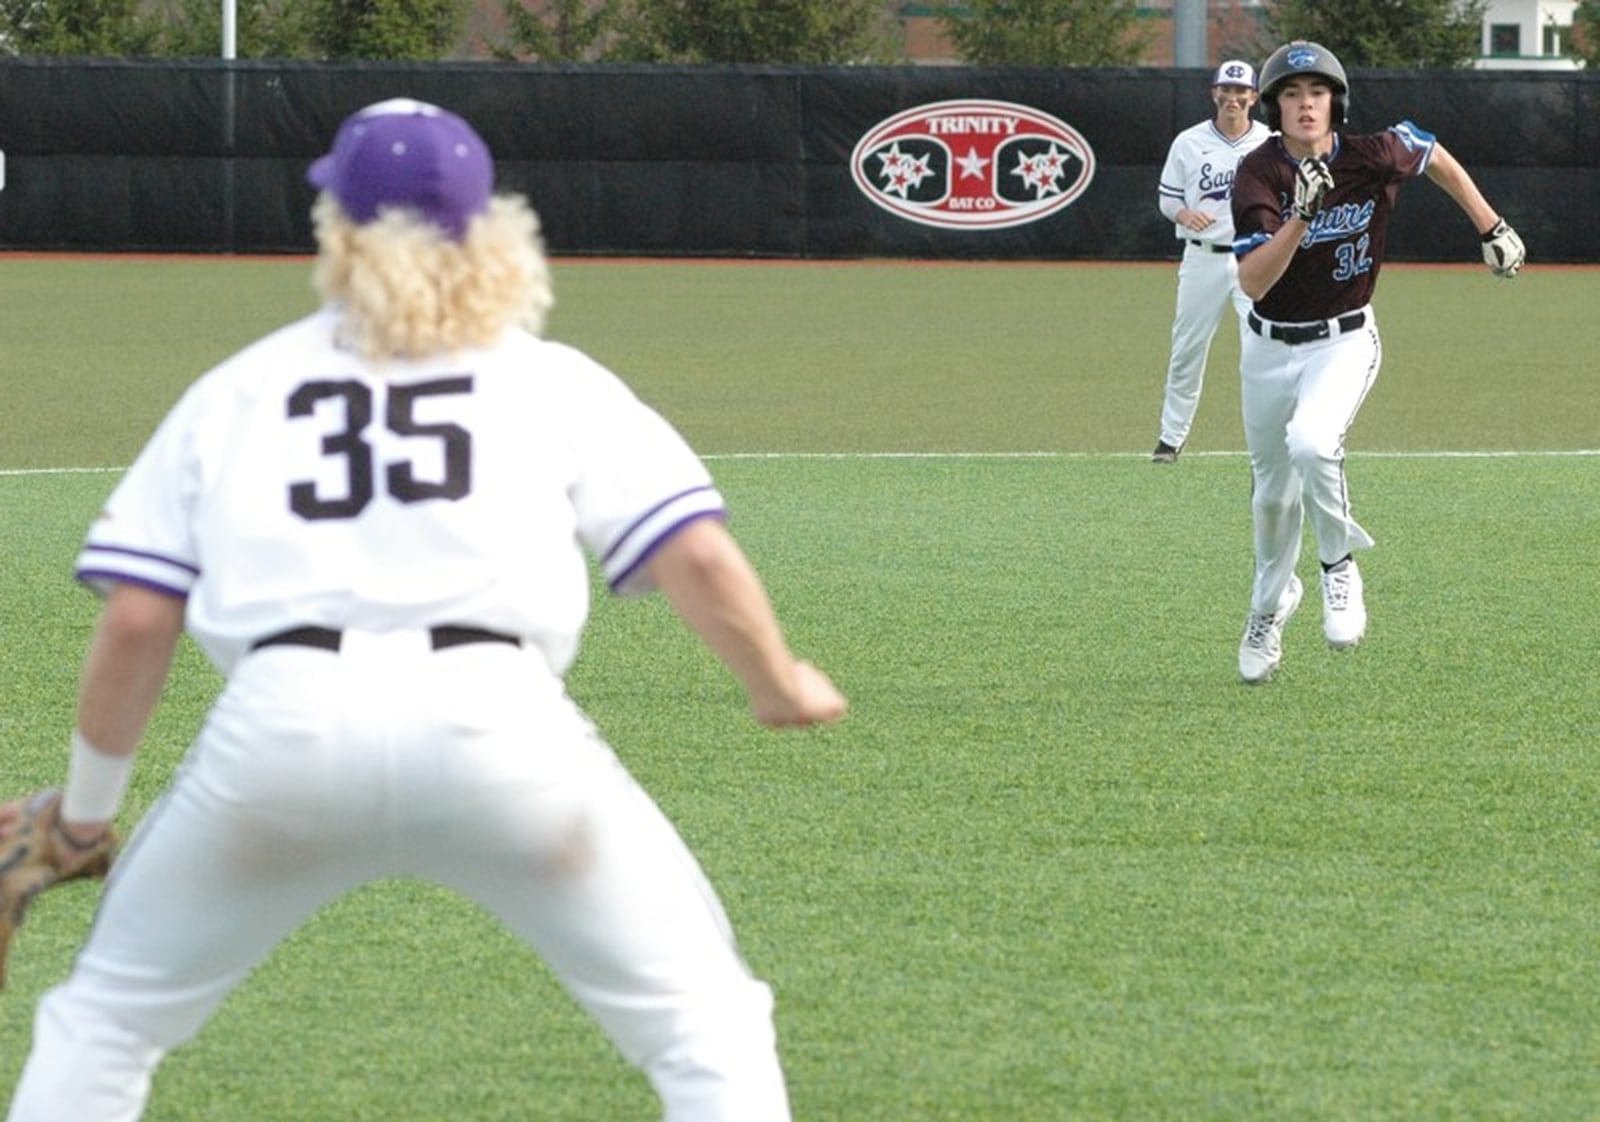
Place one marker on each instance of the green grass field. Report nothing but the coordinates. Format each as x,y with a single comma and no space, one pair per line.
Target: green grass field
1058,863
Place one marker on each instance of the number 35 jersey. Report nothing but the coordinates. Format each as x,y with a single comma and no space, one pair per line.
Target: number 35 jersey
297,484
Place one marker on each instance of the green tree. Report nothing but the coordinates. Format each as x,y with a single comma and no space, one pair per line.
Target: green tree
1046,32
780,31
419,30
560,30
75,27
1584,42
265,29
1397,34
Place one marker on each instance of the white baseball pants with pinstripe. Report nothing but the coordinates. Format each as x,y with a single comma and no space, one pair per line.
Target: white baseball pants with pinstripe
1299,401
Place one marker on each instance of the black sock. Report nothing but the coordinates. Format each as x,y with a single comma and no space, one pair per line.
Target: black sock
1327,567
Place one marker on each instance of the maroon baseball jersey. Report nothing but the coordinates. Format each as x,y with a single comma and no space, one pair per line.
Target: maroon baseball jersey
1336,268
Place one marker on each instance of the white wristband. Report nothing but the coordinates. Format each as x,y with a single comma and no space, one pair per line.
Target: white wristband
96,781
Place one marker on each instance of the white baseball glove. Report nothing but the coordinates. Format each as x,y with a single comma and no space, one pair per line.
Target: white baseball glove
1503,250
1312,180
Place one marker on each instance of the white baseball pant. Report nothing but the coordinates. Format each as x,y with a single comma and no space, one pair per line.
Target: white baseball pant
318,772
1299,401
1207,282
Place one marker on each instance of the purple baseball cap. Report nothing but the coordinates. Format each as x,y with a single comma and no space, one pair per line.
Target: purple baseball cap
405,153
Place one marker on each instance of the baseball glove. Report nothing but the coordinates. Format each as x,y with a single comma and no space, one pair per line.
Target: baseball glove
1503,250
1312,180
34,855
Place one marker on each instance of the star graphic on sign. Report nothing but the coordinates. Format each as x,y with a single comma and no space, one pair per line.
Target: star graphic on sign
901,171
972,164
1042,170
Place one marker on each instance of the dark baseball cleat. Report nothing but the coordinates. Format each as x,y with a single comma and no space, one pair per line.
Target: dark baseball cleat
1165,453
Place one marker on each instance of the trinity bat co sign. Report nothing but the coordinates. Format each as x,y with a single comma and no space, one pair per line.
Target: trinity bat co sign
972,165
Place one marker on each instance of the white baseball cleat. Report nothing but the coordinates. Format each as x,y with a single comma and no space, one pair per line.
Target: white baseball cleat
1261,649
1344,610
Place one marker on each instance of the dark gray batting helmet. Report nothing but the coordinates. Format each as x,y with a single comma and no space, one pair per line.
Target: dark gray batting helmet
1294,59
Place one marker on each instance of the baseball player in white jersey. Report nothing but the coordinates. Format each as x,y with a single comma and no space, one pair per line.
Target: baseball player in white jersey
1311,211
375,521
1194,194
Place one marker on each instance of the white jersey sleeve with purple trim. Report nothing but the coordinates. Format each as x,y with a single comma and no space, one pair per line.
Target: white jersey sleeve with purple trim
143,535
638,483
1199,175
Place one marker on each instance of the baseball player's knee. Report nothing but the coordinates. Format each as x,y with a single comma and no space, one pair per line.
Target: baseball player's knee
1273,509
1310,445
697,1020
131,1014
86,1059
753,1093
722,1060
1275,494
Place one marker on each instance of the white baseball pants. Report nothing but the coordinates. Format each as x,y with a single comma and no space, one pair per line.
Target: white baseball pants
1299,400
320,771
1207,282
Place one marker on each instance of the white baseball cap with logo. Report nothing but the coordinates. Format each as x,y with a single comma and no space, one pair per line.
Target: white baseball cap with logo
1235,73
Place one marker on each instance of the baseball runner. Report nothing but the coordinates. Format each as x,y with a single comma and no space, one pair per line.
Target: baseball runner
1311,209
1195,189
374,521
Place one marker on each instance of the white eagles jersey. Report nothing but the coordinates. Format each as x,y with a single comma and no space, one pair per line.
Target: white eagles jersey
1199,174
296,485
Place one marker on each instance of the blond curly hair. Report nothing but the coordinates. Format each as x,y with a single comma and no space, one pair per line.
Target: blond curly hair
405,289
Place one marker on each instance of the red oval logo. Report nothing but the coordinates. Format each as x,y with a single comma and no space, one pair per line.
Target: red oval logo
972,164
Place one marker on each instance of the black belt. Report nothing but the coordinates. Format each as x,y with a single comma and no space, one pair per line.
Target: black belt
330,639
1212,246
1305,332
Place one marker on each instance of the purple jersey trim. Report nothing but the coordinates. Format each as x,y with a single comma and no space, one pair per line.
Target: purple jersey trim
93,547
1230,141
665,536
622,539
91,577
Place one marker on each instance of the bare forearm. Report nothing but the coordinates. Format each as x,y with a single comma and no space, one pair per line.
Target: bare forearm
1265,265
123,675
717,593
1446,171
126,667
714,589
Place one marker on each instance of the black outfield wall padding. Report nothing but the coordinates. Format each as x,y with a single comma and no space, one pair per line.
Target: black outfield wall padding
749,160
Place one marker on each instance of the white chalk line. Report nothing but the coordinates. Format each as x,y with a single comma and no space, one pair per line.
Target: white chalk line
1440,455
713,456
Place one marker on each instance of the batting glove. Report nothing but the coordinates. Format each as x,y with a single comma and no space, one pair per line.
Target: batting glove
1312,180
1503,250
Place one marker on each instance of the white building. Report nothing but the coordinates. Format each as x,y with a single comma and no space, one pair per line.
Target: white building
1527,35
1517,34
